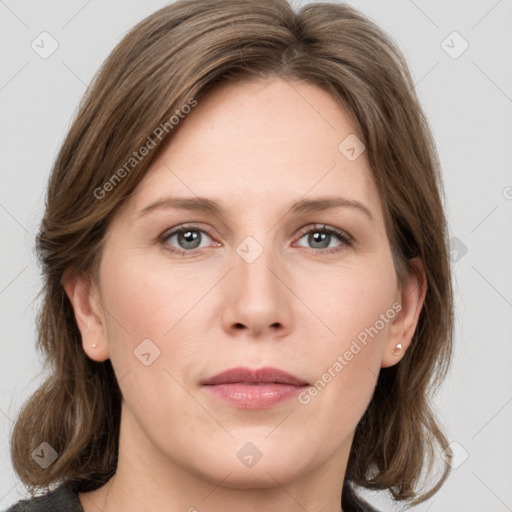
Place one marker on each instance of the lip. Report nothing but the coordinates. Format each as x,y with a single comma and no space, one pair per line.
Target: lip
248,388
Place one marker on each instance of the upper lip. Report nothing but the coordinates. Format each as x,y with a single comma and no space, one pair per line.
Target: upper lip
254,375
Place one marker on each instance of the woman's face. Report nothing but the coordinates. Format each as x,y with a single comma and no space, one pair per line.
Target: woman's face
260,280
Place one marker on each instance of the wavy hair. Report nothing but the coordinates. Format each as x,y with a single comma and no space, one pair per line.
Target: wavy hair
181,52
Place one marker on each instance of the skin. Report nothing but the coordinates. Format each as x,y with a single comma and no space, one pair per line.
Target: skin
256,147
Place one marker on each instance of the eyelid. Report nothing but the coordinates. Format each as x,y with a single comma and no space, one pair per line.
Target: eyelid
340,233
183,227
162,239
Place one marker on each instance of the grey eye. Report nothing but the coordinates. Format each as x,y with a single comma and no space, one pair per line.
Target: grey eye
187,238
321,239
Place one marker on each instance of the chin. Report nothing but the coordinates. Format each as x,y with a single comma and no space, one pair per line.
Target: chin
261,476
271,464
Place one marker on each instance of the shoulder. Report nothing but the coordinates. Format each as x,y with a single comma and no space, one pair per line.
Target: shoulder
61,499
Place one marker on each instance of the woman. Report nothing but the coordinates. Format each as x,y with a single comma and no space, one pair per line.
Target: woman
247,292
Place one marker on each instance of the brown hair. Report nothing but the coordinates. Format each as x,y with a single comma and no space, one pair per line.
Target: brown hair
175,55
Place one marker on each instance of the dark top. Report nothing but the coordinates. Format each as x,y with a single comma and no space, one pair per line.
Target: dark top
62,499
65,499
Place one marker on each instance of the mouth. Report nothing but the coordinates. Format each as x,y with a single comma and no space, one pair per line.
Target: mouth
248,388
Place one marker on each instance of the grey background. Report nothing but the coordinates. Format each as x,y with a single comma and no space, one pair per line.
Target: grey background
468,100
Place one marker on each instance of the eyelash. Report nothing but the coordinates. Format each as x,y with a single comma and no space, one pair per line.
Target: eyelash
345,238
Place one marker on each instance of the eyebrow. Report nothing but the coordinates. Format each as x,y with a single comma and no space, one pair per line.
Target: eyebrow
205,205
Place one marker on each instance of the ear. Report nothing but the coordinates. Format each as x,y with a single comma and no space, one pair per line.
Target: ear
85,298
403,326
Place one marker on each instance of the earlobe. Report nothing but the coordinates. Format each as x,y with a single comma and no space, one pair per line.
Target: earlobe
397,349
84,297
403,326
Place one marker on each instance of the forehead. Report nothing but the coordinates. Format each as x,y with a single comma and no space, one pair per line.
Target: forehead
263,143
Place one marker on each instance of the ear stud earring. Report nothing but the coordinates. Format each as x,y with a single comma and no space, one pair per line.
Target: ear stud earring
397,349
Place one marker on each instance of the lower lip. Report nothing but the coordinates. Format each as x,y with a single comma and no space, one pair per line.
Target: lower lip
254,396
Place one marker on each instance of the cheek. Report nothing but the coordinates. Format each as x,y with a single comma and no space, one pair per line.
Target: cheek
352,301
356,314
146,333
145,302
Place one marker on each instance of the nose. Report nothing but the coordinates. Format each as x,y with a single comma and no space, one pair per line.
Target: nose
258,301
